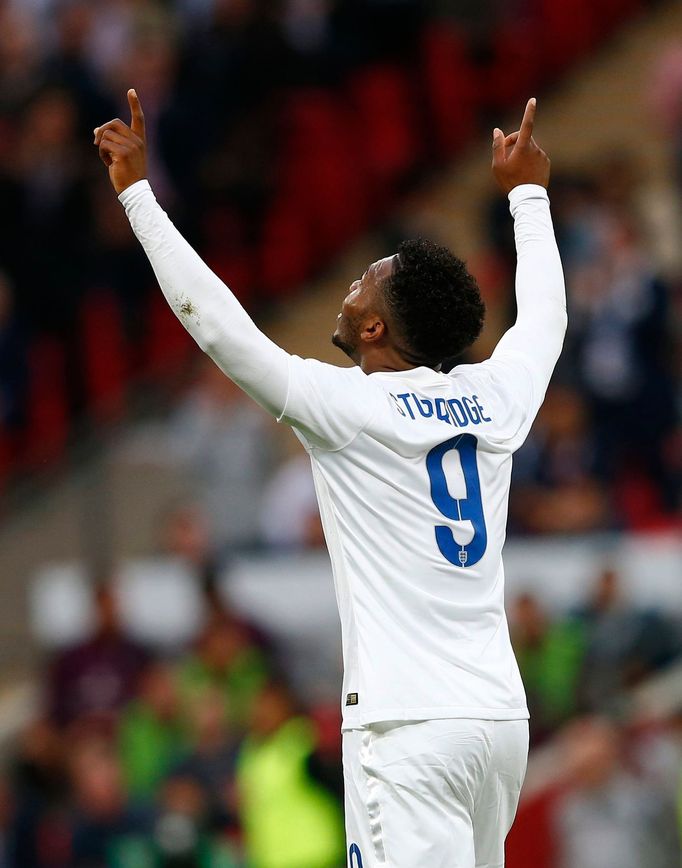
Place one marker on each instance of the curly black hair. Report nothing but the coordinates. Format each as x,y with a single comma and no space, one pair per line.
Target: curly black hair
434,301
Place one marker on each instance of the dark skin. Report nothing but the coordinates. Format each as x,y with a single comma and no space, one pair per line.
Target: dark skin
365,330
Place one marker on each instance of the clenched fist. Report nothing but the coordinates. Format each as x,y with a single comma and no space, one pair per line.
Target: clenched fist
123,148
516,158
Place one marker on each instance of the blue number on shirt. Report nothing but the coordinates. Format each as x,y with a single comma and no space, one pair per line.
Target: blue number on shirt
469,508
355,856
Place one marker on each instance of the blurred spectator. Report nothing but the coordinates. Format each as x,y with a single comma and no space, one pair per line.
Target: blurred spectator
13,362
101,813
289,820
620,337
665,95
6,816
604,450
224,440
610,817
623,644
183,833
39,782
227,663
152,738
54,207
211,762
185,534
290,516
550,654
658,757
96,678
555,490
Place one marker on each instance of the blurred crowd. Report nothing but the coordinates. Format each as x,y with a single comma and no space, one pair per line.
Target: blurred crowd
606,450
585,661
614,792
278,130
203,756
213,76
190,759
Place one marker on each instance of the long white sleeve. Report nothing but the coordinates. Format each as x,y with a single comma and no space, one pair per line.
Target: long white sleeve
206,306
537,336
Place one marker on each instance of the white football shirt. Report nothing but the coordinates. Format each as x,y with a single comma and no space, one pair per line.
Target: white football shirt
412,471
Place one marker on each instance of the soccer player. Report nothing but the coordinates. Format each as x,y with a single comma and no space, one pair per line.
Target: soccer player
412,469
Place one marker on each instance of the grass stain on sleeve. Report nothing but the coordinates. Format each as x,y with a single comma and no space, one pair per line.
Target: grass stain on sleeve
188,310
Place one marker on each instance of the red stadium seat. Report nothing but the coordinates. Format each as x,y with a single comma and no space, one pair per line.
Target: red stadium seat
386,126
6,457
226,251
610,13
452,89
285,250
105,355
48,426
320,174
639,502
567,30
168,344
514,70
531,841
235,268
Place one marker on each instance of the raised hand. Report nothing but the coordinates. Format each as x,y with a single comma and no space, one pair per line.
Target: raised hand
122,148
517,159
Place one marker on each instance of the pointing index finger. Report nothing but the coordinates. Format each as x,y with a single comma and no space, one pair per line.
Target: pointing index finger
526,129
136,114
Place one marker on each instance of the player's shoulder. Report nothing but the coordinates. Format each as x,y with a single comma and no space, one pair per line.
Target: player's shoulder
327,372
473,371
494,370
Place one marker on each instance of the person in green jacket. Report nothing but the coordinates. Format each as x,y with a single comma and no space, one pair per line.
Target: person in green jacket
550,654
226,661
288,819
151,737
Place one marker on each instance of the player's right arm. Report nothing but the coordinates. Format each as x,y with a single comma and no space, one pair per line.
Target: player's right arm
534,342
202,302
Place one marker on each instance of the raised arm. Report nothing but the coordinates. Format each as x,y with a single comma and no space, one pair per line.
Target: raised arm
201,301
522,171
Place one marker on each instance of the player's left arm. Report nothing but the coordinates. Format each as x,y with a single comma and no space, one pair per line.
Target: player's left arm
522,170
202,302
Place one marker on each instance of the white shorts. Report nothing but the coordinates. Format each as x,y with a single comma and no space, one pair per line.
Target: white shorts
433,793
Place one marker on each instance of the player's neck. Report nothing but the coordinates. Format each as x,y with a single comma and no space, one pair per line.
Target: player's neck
386,360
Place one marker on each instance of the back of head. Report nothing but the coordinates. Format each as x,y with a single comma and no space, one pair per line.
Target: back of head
434,302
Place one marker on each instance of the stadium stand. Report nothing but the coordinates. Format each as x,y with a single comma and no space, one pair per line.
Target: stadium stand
272,178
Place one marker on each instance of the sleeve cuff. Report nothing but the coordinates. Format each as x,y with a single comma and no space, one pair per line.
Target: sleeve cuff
523,191
130,192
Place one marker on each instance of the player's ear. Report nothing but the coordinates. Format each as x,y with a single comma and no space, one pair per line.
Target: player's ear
373,329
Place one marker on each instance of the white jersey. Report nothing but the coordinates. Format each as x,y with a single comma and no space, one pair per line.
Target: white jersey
412,471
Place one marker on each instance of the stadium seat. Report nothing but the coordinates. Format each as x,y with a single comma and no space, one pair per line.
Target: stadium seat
639,501
167,343
610,13
531,840
320,172
513,72
285,254
6,457
227,251
386,123
451,89
103,346
567,30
